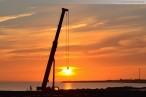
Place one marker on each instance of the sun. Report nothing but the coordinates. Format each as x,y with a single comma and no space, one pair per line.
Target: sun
66,71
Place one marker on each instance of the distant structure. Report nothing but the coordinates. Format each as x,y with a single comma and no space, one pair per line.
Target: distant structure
30,88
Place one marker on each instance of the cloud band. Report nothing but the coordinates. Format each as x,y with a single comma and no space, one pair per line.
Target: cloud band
97,1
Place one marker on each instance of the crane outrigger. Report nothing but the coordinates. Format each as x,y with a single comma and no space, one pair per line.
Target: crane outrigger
52,54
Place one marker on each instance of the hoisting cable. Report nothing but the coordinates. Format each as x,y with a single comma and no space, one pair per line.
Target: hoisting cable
67,39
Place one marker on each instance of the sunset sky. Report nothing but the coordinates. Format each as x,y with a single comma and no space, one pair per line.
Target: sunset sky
106,41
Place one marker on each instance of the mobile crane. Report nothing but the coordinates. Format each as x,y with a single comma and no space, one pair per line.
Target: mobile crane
52,54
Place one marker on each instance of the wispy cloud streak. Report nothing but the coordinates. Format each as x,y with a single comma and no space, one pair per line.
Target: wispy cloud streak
6,18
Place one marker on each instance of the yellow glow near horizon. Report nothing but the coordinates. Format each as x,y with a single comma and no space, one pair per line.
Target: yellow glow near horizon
66,71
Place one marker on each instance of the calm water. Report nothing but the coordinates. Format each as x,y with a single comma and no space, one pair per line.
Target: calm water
23,86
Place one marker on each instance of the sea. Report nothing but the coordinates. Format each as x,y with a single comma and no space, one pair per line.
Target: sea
25,86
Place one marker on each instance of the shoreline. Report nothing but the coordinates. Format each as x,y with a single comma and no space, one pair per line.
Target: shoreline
108,92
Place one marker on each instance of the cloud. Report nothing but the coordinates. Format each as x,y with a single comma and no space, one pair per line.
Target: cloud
6,18
2,33
128,17
133,42
71,27
34,50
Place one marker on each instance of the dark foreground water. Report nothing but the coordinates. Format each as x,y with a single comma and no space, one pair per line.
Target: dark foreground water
23,86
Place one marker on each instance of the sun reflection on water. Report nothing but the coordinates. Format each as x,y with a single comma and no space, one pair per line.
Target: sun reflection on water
68,86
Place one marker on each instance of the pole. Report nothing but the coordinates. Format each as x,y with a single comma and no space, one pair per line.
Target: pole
53,87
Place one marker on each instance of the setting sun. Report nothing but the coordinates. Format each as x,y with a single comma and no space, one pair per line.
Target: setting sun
66,71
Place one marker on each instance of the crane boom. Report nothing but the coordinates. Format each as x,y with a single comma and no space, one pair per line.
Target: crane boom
52,53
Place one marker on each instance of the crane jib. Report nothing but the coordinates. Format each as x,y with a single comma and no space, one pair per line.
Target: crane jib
52,53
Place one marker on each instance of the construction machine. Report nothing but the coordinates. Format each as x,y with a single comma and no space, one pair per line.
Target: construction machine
52,54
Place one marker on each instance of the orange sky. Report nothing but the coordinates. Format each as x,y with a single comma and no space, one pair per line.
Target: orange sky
106,41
